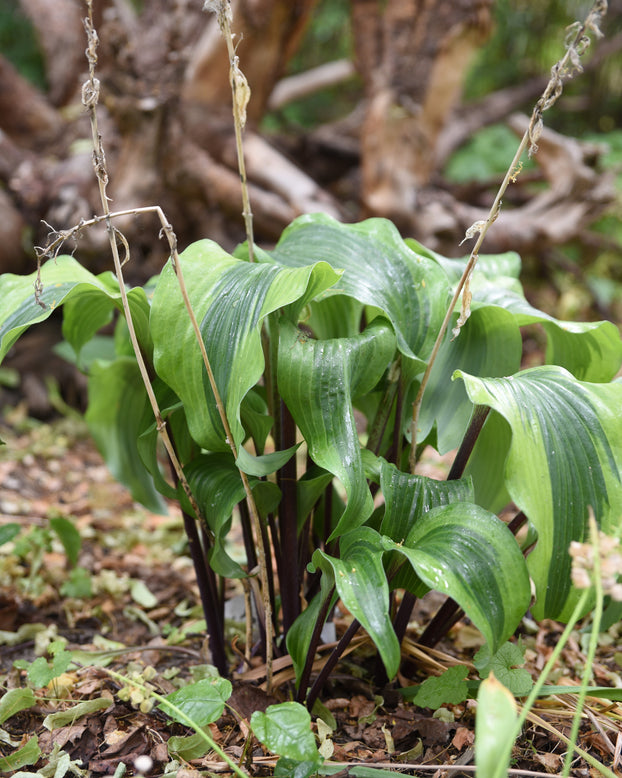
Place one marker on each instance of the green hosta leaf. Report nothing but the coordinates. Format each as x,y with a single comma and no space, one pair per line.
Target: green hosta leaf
255,418
380,270
121,337
139,300
500,269
203,701
299,635
89,298
317,380
87,311
373,465
216,485
267,496
407,497
148,443
98,347
309,488
266,463
117,403
172,413
489,345
336,316
84,316
565,456
61,278
230,299
592,351
494,728
506,664
450,688
285,729
486,464
469,554
361,581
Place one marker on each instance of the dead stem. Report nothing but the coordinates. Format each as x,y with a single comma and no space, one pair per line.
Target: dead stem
241,93
577,42
90,98
250,500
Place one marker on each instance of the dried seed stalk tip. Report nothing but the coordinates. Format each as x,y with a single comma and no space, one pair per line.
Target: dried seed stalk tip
222,8
90,93
467,296
241,91
474,230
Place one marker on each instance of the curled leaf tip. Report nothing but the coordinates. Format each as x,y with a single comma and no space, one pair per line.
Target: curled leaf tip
465,312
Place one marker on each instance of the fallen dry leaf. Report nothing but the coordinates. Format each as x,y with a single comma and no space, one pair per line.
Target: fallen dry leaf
463,737
551,762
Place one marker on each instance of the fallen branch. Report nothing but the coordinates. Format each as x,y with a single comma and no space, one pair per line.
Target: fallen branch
497,106
311,81
578,193
25,114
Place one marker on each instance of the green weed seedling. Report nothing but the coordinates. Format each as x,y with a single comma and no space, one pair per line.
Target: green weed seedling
284,729
31,546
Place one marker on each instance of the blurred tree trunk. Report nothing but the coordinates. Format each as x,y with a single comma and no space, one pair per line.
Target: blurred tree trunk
166,123
269,32
413,56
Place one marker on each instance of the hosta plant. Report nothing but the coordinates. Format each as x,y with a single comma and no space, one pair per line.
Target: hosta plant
317,349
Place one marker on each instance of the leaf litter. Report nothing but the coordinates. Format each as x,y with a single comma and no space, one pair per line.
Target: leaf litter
133,606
